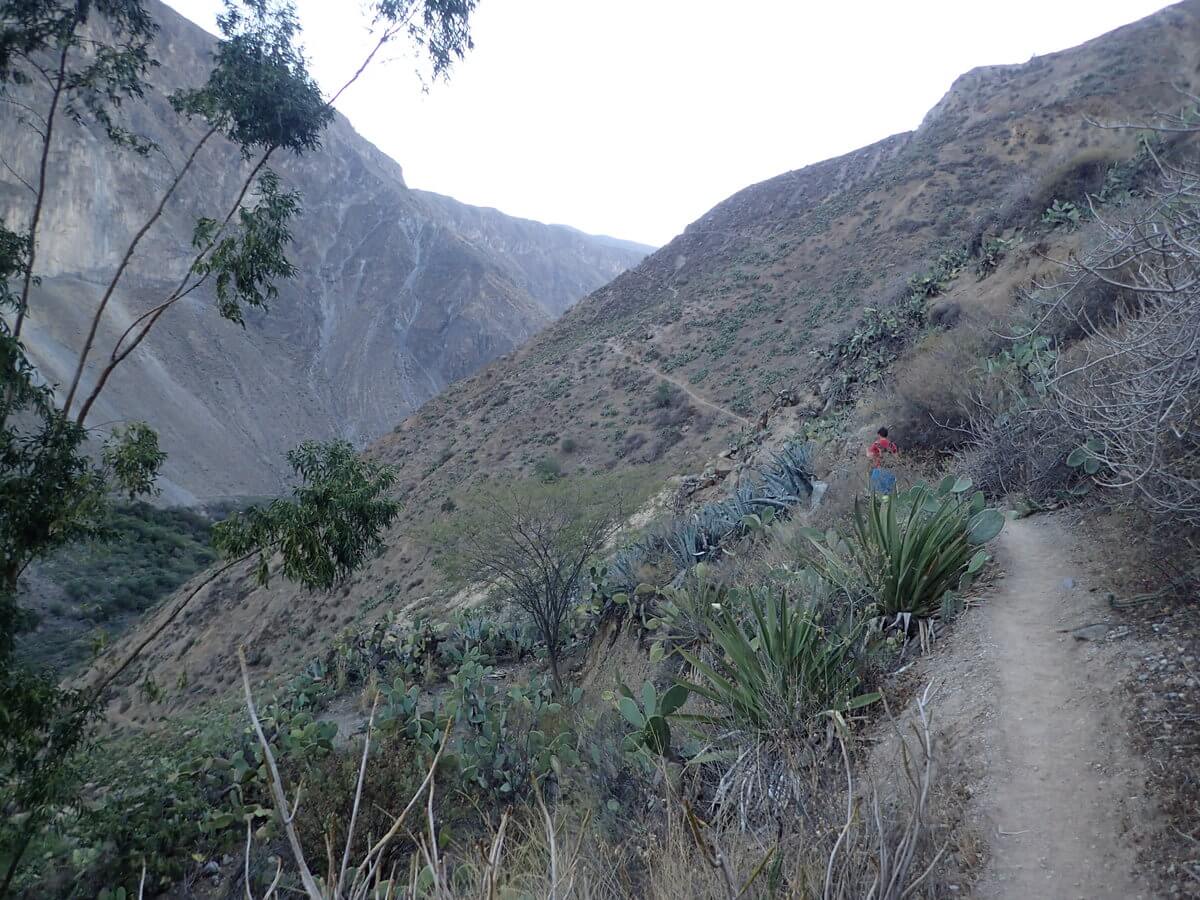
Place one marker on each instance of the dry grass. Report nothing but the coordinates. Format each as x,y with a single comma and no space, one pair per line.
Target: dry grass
930,388
873,839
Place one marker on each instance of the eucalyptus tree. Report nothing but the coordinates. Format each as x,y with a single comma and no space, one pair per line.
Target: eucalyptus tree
84,62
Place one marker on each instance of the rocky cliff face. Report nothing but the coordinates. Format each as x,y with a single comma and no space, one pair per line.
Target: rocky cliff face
399,292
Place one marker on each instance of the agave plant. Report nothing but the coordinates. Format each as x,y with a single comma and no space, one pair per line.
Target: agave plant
681,614
686,545
790,478
621,574
910,553
782,667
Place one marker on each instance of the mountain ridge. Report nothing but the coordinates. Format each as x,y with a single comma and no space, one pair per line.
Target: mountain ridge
754,298
392,302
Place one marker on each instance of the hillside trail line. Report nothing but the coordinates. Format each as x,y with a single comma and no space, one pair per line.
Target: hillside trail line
1059,790
682,385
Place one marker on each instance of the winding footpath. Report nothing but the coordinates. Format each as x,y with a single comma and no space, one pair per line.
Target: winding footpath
682,385
1040,718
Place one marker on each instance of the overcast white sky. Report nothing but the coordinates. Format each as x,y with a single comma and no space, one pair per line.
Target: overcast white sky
634,117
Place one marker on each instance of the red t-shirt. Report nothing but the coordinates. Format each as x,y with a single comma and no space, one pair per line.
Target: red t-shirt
881,446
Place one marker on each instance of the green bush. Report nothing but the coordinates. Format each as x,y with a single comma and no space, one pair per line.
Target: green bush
781,666
547,469
909,555
991,252
1062,214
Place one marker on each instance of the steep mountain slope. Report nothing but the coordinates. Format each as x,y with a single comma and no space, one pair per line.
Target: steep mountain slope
749,300
399,293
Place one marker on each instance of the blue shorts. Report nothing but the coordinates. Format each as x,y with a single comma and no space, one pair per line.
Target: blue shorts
882,481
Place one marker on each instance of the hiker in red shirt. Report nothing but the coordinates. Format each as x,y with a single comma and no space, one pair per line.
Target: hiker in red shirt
882,481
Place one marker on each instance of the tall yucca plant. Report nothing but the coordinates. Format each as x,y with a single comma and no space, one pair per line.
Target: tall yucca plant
911,552
781,667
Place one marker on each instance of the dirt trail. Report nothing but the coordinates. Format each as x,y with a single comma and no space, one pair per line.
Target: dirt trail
682,385
1059,790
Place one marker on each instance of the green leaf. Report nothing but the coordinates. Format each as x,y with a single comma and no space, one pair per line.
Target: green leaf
984,526
1091,465
633,715
962,485
673,699
649,698
425,879
659,735
978,561
863,700
1076,457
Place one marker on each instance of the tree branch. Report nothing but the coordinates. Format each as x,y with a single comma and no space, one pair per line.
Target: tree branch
40,199
125,260
149,318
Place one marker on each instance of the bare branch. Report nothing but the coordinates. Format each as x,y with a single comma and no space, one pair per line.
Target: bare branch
42,183
148,319
124,264
277,791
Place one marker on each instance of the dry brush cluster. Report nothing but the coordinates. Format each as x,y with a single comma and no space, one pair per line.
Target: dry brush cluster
1102,386
1132,389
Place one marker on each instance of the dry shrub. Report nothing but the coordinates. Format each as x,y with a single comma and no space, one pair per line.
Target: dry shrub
1133,385
665,440
1075,174
394,773
862,838
1093,303
1069,177
847,480
1016,451
632,443
931,388
678,412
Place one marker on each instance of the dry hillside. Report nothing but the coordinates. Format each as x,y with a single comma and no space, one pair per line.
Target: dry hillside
749,300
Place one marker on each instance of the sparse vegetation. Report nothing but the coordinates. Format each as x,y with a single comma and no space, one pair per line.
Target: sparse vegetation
1062,214
911,555
535,541
488,745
